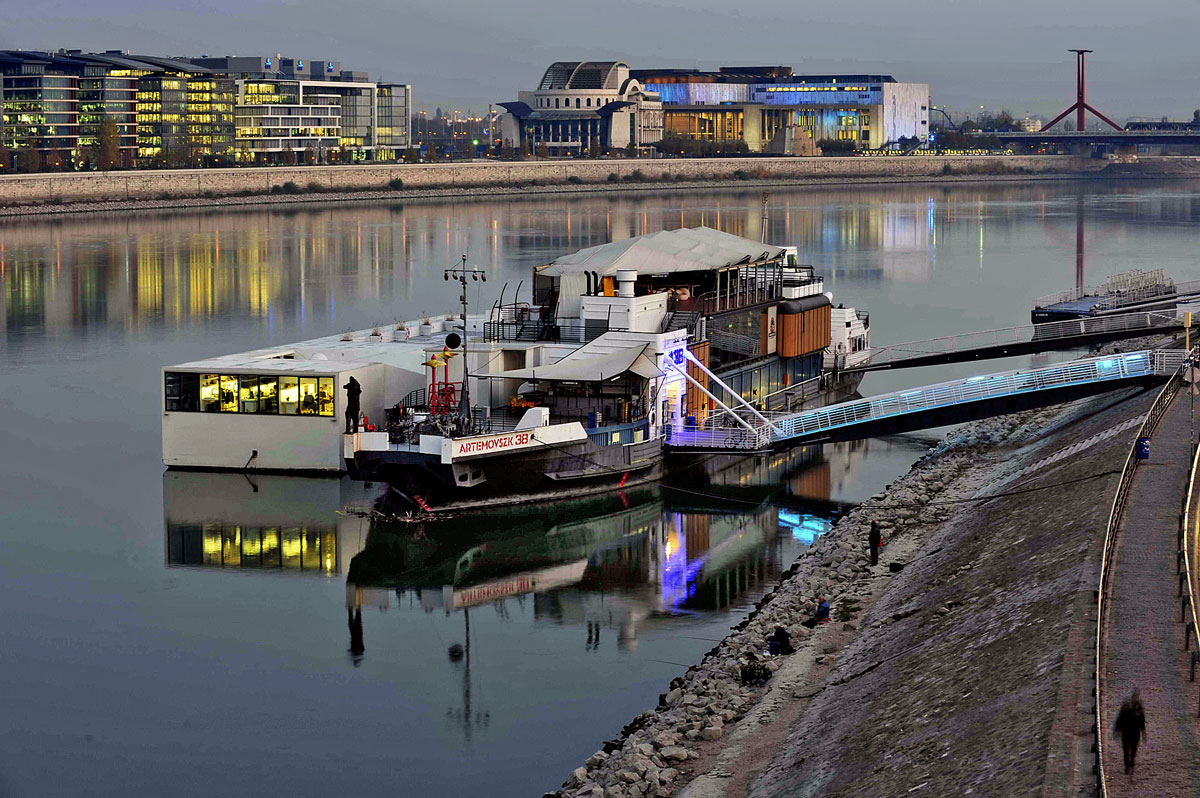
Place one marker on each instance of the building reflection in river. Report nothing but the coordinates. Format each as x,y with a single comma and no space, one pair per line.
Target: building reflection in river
301,265
302,525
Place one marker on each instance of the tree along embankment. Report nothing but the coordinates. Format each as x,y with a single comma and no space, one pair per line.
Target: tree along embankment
47,192
958,665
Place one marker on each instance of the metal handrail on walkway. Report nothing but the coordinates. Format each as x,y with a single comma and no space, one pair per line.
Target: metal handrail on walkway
1087,371
1023,334
1157,410
1187,565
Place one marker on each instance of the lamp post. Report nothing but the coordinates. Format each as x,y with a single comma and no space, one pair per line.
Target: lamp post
461,273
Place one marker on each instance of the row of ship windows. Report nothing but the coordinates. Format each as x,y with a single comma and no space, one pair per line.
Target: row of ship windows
271,395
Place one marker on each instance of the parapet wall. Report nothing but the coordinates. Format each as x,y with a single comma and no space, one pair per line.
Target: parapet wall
138,185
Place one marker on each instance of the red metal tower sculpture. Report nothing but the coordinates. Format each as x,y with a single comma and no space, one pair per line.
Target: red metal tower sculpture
1081,104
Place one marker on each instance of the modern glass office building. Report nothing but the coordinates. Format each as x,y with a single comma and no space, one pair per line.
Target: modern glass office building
274,126
188,112
361,102
40,109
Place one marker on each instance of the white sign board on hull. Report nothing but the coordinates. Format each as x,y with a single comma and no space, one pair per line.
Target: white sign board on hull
454,449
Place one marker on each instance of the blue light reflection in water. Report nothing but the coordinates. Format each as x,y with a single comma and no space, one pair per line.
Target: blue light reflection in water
805,528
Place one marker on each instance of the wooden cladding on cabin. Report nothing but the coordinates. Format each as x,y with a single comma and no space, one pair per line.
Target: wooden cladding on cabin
804,332
698,404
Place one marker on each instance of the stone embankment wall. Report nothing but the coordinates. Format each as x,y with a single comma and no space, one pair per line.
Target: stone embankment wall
142,185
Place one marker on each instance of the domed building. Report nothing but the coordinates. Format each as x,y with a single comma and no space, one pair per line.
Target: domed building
583,108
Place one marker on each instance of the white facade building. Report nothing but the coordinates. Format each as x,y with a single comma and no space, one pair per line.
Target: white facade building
581,108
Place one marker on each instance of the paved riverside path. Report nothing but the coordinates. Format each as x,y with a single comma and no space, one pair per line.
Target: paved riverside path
1144,638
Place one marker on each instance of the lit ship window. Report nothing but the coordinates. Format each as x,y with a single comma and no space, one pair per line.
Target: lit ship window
249,394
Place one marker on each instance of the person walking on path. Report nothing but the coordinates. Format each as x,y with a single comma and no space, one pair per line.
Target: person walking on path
876,540
353,391
1131,726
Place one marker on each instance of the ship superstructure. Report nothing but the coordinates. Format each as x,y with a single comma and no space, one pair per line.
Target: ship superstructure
576,388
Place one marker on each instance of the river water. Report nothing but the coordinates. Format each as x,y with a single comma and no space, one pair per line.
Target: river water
183,633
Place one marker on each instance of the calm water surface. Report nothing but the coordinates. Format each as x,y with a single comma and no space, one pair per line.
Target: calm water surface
188,634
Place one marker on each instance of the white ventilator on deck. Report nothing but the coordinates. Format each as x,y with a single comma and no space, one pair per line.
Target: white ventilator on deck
626,278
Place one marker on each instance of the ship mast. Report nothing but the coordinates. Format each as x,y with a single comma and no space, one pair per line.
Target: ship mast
460,273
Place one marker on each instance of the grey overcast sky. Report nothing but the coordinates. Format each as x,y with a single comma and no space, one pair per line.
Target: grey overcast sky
1010,54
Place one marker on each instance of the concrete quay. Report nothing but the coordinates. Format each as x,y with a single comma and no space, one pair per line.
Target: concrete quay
82,187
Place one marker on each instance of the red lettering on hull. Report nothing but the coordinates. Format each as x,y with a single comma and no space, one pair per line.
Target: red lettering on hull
494,444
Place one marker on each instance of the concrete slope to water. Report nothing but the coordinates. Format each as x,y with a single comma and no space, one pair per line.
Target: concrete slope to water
971,675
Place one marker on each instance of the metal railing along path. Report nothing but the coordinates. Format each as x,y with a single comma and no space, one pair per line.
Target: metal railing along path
1186,554
1157,410
782,427
1027,333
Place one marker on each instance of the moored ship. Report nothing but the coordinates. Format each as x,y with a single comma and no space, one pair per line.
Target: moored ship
574,390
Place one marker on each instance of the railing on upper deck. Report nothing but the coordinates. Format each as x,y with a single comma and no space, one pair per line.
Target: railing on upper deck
545,330
755,292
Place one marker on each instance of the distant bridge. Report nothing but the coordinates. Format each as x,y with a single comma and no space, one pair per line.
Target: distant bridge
954,402
1116,137
1023,340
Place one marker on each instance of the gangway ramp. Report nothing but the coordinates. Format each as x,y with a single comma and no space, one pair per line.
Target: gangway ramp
1023,340
937,405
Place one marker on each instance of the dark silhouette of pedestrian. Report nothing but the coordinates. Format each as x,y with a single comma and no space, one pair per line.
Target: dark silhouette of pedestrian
1131,726
353,391
357,649
876,540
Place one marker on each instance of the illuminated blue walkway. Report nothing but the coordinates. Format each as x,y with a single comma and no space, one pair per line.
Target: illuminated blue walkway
1061,382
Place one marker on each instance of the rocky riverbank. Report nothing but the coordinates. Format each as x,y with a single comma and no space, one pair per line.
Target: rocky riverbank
957,664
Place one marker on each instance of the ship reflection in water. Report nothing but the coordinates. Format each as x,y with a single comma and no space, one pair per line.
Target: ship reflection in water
611,564
287,524
634,577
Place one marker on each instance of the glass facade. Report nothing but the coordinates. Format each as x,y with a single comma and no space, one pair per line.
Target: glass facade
161,105
716,124
757,381
41,112
272,124
182,118
358,119
249,394
393,101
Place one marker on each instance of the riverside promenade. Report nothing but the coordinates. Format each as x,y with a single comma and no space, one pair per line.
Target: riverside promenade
1143,634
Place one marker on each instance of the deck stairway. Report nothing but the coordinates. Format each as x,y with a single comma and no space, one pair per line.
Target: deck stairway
529,331
682,320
